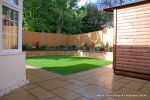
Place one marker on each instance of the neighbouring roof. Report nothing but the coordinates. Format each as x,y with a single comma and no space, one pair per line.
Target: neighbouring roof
127,5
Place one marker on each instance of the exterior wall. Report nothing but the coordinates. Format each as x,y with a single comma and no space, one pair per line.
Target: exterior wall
99,38
12,61
12,72
96,55
132,44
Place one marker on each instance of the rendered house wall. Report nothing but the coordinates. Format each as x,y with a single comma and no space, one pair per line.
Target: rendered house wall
12,61
12,72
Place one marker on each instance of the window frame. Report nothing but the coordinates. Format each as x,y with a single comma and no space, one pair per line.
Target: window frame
17,8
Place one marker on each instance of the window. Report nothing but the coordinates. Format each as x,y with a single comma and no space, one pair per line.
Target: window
14,1
9,28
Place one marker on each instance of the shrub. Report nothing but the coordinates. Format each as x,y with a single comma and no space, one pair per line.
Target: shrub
85,46
73,47
44,47
99,48
102,48
60,47
51,48
26,46
80,48
66,48
110,48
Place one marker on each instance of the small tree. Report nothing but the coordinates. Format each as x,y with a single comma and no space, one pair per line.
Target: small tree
93,20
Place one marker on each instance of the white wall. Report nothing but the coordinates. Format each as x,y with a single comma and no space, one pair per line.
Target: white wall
12,72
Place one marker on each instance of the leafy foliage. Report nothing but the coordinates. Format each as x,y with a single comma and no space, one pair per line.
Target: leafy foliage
47,15
94,19
64,16
26,46
60,16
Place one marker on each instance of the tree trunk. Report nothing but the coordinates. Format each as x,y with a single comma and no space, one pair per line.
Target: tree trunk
60,20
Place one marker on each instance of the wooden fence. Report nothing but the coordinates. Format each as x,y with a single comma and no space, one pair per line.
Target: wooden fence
103,37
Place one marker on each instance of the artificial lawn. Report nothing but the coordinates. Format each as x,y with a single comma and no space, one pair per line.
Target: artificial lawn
65,64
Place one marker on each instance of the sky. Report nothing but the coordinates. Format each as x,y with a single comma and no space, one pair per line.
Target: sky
83,2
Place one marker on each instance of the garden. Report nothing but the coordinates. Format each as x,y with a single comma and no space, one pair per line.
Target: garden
62,42
65,64
85,47
67,54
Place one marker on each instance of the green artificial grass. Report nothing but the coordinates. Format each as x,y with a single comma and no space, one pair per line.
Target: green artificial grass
65,64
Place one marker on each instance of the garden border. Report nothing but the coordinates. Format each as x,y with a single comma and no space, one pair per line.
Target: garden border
90,54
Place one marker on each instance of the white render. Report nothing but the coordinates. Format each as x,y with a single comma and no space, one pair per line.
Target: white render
12,61
12,72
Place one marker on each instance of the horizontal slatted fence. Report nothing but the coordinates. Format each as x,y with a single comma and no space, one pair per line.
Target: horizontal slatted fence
133,41
102,37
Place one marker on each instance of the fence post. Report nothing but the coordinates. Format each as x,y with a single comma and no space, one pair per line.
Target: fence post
43,38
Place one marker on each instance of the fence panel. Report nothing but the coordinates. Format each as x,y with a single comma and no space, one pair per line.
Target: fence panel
103,37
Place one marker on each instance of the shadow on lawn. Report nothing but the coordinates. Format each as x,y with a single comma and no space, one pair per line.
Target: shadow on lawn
57,57
72,69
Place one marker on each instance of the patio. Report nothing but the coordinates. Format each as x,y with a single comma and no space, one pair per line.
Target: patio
95,84
130,42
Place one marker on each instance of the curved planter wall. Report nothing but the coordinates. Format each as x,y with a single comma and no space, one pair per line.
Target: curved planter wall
96,55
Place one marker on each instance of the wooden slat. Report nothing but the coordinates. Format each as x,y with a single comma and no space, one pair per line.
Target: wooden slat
138,28
130,36
131,17
133,53
133,43
133,24
133,57
134,8
133,70
133,50
138,11
126,27
133,65
133,60
133,47
135,20
134,14
133,29
134,33
135,75
133,36
133,40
